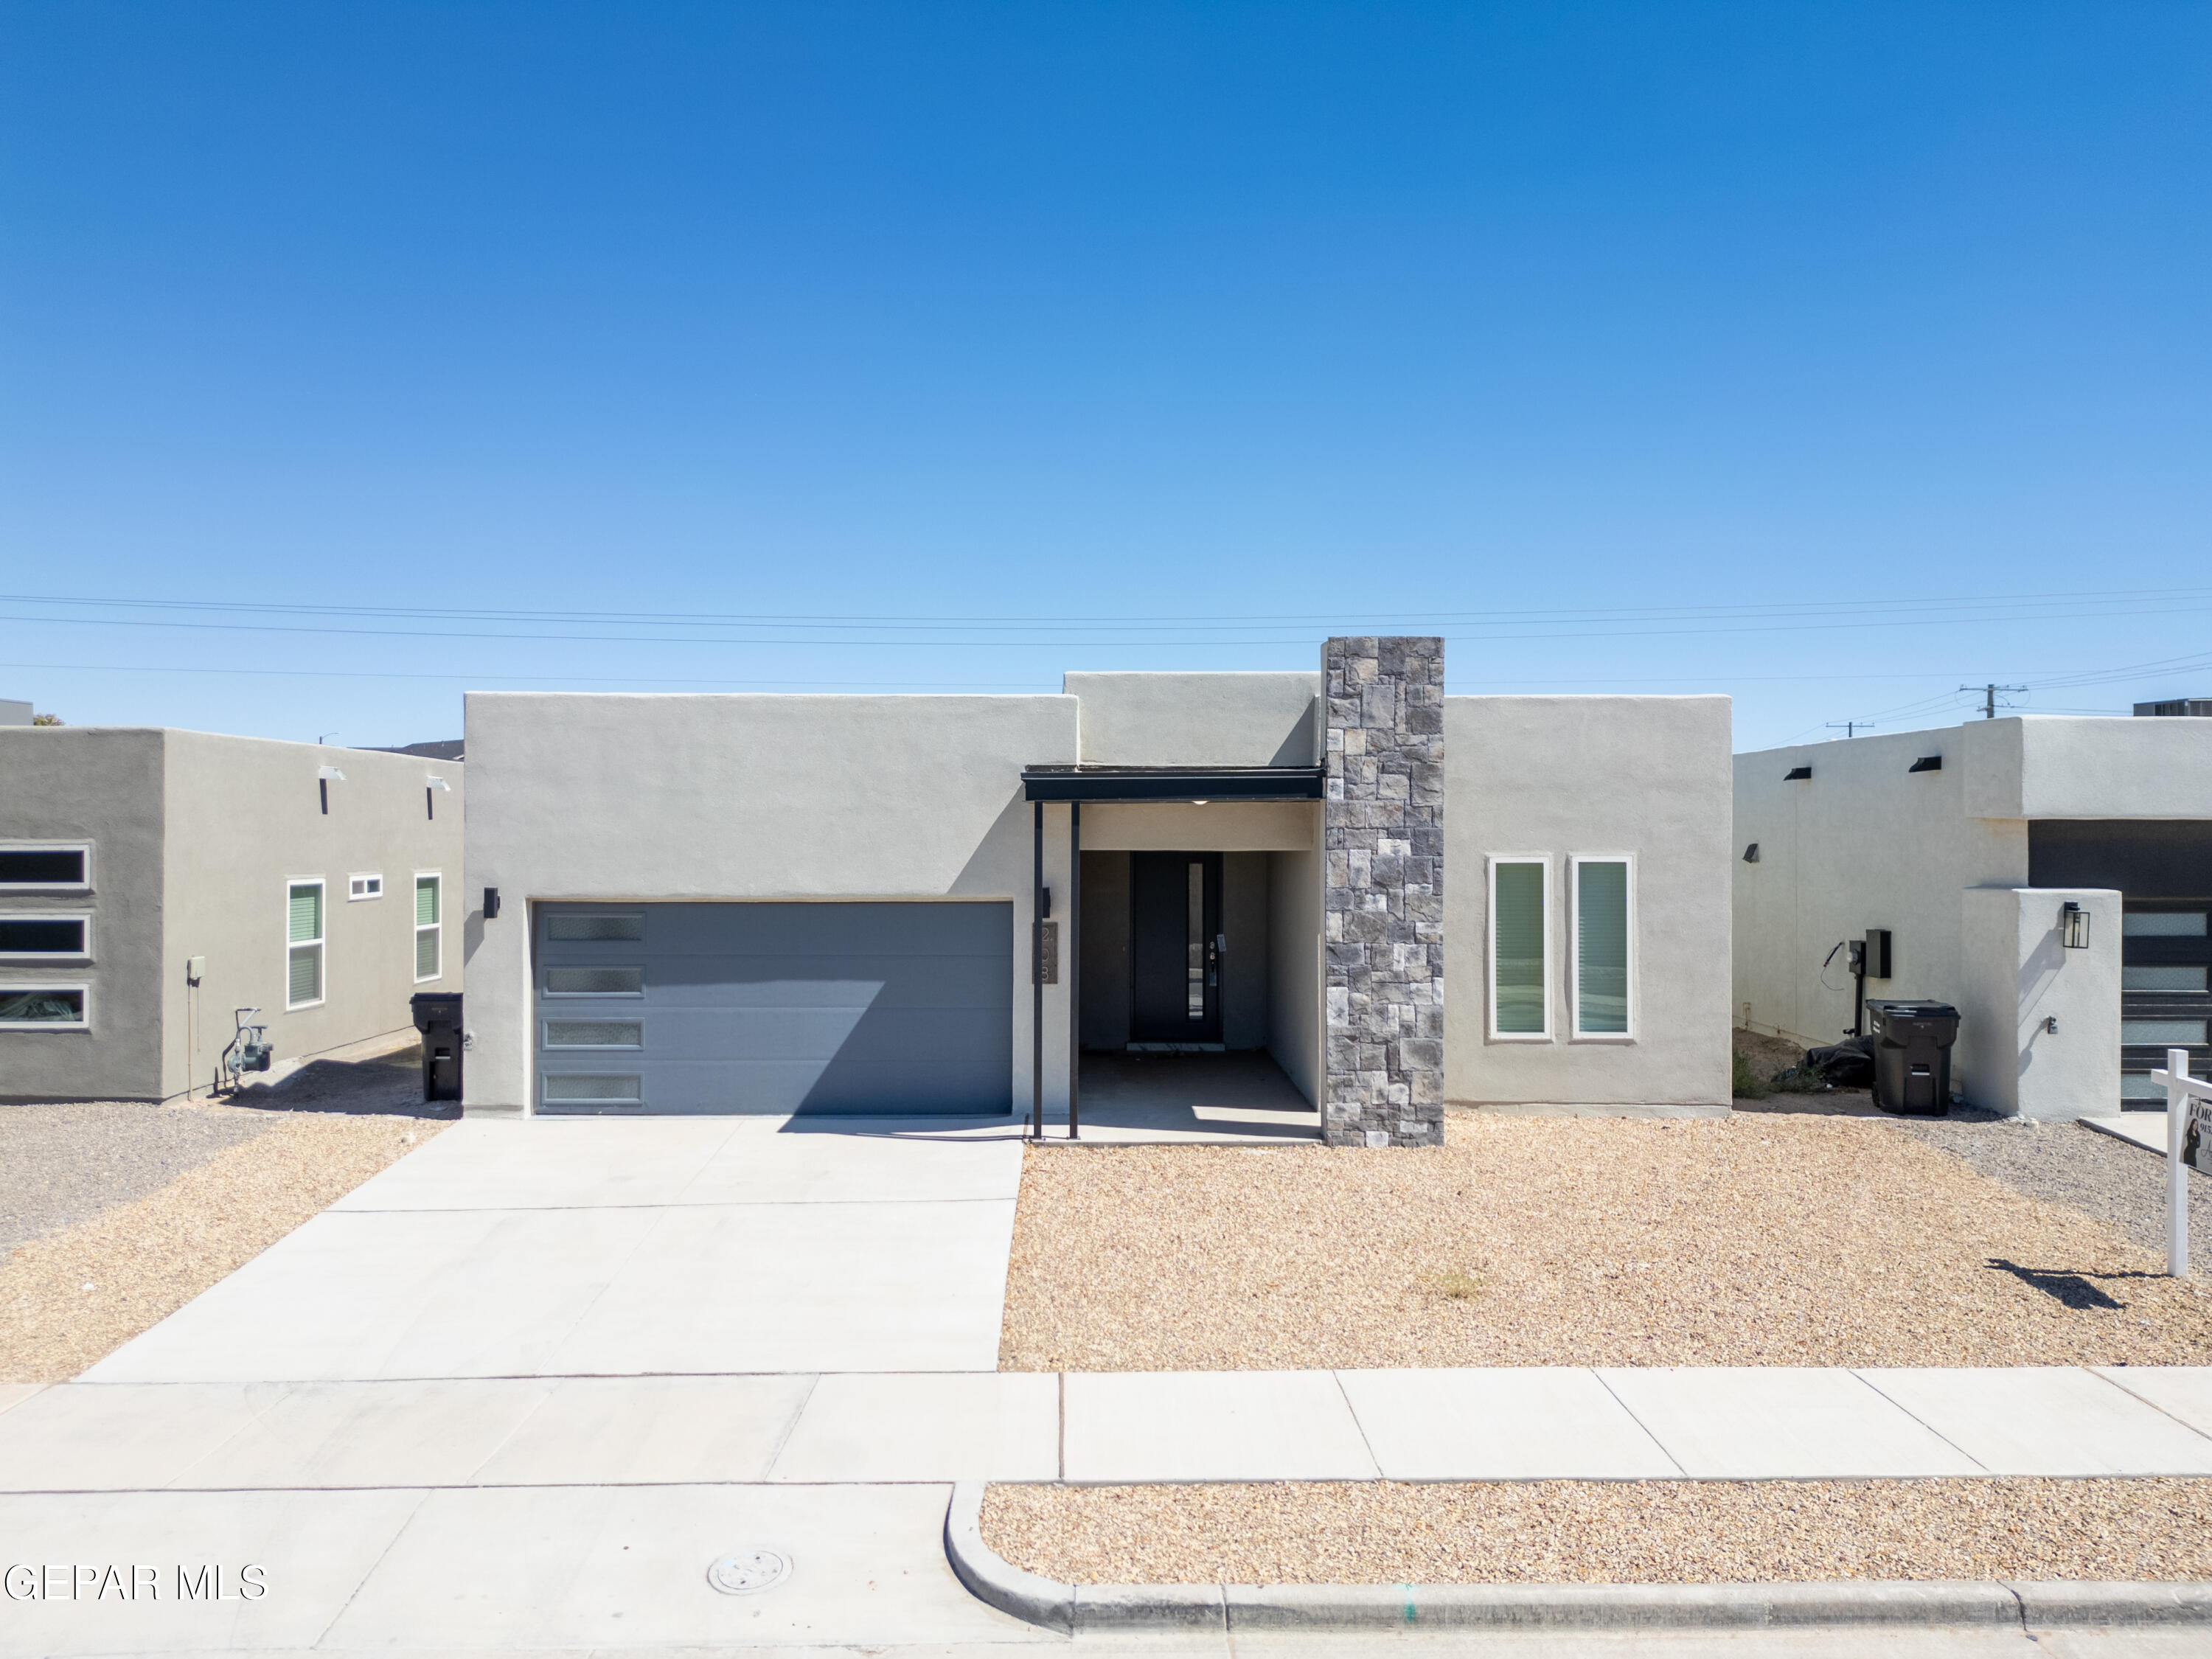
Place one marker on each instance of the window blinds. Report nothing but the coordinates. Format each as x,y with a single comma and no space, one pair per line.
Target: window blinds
1517,933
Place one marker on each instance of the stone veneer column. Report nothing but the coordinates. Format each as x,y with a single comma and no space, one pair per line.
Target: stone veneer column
1383,860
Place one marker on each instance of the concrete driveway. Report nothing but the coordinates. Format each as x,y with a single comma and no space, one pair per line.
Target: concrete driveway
519,1391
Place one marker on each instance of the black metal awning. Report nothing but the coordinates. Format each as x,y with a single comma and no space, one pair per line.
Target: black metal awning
1172,783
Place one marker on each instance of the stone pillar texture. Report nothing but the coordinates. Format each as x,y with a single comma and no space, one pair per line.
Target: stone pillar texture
1383,860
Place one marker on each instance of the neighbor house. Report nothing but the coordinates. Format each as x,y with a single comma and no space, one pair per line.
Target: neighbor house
1384,898
2049,877
154,882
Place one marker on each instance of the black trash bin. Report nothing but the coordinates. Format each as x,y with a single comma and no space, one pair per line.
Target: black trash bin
1912,1055
438,1018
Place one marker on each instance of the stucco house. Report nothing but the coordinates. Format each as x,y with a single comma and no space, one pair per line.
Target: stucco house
1961,851
153,882
1381,898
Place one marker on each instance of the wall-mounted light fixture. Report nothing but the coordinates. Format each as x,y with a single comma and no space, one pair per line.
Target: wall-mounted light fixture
324,777
2074,926
491,903
432,786
1927,764
1750,854
1796,774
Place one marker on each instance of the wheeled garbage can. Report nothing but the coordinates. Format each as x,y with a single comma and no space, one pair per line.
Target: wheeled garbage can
438,1018
1912,1055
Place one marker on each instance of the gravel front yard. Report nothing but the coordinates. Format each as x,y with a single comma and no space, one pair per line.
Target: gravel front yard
120,1214
2120,1185
1765,1239
1596,1532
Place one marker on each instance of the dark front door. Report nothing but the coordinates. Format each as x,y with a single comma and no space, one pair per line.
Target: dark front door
1175,939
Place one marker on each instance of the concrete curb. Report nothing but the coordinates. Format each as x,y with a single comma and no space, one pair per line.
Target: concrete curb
1069,1608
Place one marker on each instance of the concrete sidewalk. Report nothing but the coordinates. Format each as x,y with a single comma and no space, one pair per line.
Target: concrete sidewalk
884,1428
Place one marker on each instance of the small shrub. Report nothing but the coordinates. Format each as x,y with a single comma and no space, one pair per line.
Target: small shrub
1747,1084
45,720
1803,1078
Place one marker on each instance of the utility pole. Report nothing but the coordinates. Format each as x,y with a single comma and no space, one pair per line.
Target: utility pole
1851,726
1989,695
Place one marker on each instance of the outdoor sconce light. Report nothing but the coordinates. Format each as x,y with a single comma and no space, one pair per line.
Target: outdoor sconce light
1750,854
324,777
432,786
2074,923
491,903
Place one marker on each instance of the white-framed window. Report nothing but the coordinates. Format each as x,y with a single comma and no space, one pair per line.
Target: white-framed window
303,942
45,936
1602,974
46,1007
1519,948
358,888
46,866
429,925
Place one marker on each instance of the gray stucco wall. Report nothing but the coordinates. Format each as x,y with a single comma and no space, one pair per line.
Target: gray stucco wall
101,785
2018,979
1936,857
1244,970
1197,720
2055,766
1557,776
245,820
1294,968
1864,843
720,797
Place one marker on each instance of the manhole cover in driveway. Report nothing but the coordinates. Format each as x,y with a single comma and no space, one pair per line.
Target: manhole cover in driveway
749,1570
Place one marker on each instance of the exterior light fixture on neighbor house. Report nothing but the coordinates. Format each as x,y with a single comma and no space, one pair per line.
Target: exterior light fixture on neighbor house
1750,854
2074,921
324,777
432,786
1797,774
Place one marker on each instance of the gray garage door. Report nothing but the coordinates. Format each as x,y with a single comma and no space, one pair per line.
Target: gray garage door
876,1008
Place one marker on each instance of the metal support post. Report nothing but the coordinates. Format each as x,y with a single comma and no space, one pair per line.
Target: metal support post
2177,1172
1036,978
1074,967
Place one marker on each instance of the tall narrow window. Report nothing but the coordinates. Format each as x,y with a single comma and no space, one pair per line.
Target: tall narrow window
1519,902
1604,929
428,958
303,949
1194,928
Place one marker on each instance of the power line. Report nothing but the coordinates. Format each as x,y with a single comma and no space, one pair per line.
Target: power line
1994,606
1990,694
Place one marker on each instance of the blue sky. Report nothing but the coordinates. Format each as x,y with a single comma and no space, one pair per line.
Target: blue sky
1638,347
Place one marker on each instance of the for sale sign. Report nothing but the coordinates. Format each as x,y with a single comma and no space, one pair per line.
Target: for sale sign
2196,1135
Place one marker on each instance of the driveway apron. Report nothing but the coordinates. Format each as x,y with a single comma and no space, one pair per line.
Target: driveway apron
526,1387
